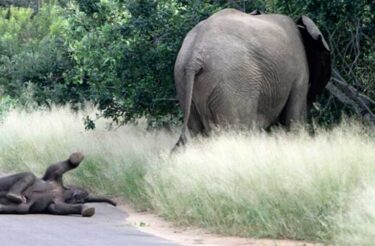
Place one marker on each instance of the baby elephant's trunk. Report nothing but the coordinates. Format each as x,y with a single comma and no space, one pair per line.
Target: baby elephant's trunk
100,199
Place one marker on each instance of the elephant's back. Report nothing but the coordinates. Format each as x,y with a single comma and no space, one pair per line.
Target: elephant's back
230,36
258,33
232,42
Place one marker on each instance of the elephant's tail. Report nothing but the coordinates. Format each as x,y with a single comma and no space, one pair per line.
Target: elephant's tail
189,85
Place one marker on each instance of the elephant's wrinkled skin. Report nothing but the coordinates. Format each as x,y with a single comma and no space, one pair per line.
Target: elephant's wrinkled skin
249,70
24,193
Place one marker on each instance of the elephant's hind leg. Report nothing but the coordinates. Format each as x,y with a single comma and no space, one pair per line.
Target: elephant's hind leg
17,184
15,209
65,209
195,126
55,171
229,108
195,122
295,108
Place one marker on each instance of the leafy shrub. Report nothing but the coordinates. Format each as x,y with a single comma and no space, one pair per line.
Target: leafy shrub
6,105
33,55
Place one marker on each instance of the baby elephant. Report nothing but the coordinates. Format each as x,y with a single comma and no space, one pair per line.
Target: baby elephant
23,193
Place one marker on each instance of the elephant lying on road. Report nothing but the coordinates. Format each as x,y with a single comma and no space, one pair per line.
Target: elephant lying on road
24,193
249,70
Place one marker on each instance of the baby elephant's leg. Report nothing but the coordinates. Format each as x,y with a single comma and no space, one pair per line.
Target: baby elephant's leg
23,181
55,172
15,209
65,209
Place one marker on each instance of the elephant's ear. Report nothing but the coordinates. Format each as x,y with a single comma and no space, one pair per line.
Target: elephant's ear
318,56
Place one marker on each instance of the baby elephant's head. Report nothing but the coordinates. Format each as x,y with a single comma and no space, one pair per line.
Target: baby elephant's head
76,195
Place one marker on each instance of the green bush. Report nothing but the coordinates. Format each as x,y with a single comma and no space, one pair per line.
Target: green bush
33,56
126,53
6,105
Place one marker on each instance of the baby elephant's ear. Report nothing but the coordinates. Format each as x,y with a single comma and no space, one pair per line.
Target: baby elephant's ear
313,31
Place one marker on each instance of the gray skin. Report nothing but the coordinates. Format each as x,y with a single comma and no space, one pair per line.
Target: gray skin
24,193
249,71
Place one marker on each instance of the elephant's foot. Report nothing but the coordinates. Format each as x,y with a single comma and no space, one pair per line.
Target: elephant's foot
16,198
181,142
87,211
76,158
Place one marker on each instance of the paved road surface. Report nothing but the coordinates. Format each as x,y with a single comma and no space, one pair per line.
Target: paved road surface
105,228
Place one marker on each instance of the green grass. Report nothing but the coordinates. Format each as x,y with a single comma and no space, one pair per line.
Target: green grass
279,185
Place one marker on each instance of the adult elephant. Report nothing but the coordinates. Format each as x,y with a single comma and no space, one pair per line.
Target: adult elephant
249,70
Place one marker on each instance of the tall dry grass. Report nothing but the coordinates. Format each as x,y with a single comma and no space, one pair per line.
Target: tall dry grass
116,161
279,185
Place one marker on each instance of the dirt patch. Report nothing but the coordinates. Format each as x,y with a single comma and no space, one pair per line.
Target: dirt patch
150,223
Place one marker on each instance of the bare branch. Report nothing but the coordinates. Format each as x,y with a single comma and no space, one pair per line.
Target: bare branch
348,95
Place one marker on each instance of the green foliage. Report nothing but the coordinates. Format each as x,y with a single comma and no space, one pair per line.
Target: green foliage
33,55
126,53
6,105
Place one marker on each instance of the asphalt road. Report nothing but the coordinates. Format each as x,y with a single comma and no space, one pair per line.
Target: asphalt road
106,228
